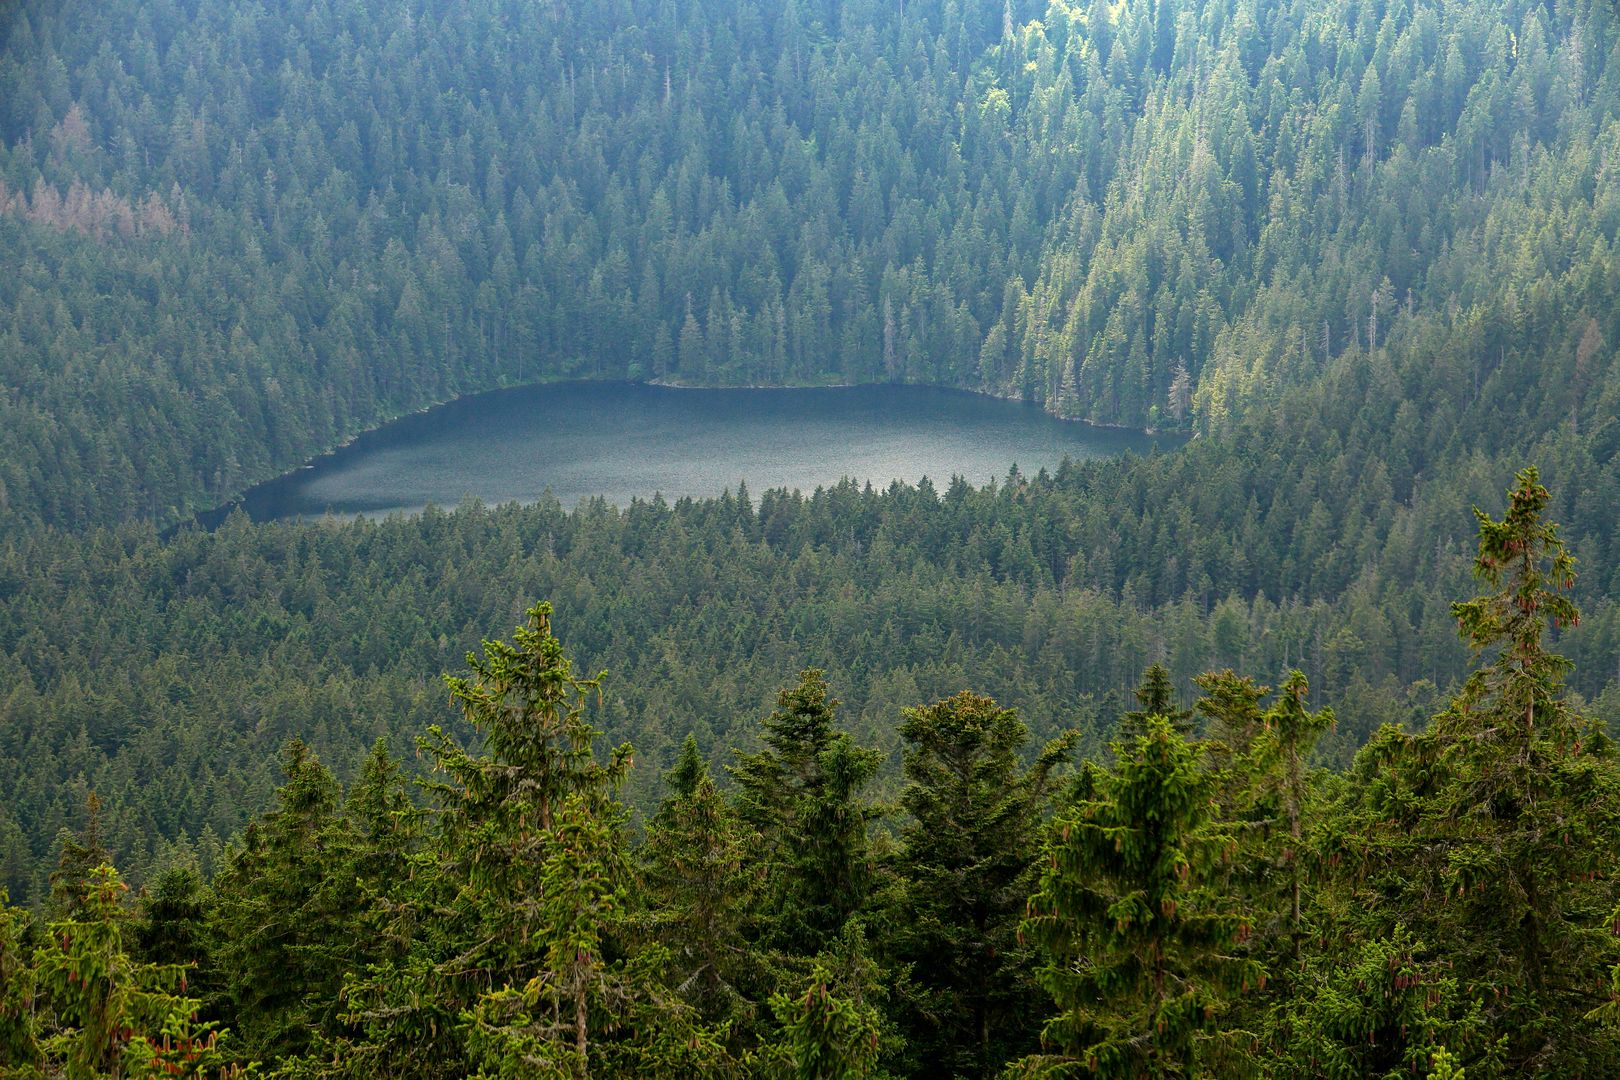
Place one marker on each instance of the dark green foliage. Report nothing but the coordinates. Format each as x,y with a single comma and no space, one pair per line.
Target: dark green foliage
519,961
699,884
801,793
966,861
112,1015
285,916
1491,833
1527,812
1216,908
19,1050
1385,1011
830,1025
80,853
1363,249
1156,696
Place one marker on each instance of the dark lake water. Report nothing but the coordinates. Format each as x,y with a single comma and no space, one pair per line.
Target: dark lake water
623,441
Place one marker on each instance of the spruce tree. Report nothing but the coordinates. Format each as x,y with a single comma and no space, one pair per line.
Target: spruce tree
285,917
698,890
1523,834
1388,1008
80,854
1493,834
1156,696
831,1026
524,964
801,793
1137,938
115,1016
19,1048
966,864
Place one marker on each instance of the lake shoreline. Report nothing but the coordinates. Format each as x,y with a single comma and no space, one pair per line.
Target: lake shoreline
867,412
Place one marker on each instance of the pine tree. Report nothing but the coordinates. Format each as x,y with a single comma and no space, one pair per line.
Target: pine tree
1136,938
966,866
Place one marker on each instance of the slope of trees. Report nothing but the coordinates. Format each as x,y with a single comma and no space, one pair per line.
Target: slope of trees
1197,905
238,233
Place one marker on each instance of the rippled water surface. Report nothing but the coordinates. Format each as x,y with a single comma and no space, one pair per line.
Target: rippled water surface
623,441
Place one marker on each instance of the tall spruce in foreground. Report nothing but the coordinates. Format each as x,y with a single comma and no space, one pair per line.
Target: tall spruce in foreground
1136,936
522,968
1495,834
1528,821
966,861
283,920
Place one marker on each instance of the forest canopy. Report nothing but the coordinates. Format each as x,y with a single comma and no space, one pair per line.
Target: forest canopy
1238,797
1197,899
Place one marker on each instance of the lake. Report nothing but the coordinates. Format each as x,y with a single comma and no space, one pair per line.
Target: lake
623,441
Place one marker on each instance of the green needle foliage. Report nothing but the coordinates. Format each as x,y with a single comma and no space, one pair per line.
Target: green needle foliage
966,858
830,1027
1155,696
284,917
1227,907
699,886
114,1016
801,793
1493,834
1137,939
1527,820
1387,1010
19,1050
520,965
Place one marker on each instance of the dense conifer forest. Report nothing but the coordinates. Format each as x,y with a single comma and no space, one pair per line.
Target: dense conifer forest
1198,899
1161,766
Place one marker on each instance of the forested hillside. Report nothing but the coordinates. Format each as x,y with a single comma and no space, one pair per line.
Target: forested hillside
1362,251
1175,907
238,232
